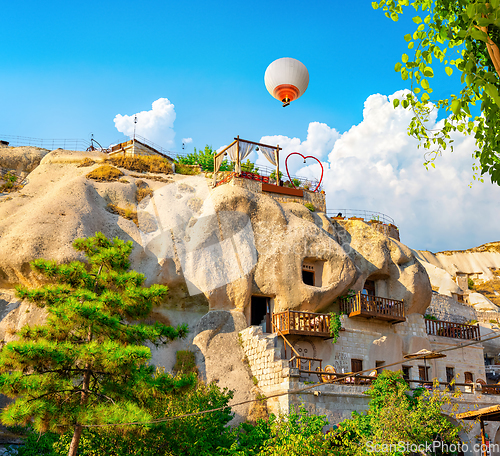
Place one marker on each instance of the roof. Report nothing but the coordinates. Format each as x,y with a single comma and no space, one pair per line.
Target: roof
123,145
490,413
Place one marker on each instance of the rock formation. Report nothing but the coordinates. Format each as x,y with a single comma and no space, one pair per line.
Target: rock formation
213,248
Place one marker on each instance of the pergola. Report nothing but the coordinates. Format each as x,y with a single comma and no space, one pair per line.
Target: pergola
487,413
239,149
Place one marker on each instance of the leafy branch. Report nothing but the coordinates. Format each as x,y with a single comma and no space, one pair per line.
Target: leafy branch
463,35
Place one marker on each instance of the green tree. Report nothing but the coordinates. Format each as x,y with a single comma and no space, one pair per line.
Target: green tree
272,176
204,158
87,364
198,435
465,35
396,414
296,434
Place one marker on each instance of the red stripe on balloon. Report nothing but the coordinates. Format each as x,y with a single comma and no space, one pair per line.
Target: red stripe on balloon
284,91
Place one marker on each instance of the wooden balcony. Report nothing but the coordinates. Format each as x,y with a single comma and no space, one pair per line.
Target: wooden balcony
367,306
450,329
299,323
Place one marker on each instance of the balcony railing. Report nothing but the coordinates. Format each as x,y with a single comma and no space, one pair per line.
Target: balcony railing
451,329
302,323
373,307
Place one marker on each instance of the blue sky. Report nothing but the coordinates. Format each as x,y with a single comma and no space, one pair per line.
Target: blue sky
69,68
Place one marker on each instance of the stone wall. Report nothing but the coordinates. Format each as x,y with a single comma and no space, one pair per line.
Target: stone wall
487,317
335,401
466,359
264,357
317,199
448,309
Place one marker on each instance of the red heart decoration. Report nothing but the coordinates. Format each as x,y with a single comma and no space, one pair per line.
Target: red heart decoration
308,156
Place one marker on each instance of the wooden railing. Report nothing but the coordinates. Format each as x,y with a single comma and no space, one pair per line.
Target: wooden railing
277,330
302,323
305,364
450,329
296,361
373,307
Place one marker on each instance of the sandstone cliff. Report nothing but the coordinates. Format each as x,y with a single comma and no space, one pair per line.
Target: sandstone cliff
215,249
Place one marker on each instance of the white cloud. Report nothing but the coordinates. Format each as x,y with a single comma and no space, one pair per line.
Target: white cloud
319,142
187,140
156,125
376,166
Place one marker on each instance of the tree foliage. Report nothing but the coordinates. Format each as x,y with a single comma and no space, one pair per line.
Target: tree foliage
462,35
87,364
396,414
249,167
199,435
204,158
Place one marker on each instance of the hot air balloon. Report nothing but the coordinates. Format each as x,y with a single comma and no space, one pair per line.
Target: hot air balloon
286,79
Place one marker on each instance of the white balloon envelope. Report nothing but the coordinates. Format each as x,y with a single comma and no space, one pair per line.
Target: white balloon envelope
286,79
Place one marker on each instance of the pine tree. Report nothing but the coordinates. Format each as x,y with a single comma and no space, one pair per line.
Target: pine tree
87,364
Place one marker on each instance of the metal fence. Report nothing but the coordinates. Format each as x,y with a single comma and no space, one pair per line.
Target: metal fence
82,144
364,214
51,144
301,181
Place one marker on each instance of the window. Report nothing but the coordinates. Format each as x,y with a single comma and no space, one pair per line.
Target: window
378,366
308,277
450,375
469,377
406,373
423,373
313,271
356,365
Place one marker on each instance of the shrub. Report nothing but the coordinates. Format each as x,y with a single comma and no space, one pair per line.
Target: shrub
470,283
185,362
189,170
86,162
189,436
35,444
143,163
310,206
10,183
105,173
143,190
335,326
272,176
127,213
